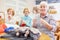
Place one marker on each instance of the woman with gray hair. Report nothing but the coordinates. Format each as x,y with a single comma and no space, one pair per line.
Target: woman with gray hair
46,24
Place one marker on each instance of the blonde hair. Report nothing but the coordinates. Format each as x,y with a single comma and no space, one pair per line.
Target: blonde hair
26,9
35,8
13,13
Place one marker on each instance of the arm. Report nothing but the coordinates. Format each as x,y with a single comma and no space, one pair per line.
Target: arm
50,26
34,23
47,25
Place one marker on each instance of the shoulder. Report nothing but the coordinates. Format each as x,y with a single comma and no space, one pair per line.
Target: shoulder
50,17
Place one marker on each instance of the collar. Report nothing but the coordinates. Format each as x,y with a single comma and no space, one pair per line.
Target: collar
45,16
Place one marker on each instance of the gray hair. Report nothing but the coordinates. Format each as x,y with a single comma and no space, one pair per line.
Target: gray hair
46,3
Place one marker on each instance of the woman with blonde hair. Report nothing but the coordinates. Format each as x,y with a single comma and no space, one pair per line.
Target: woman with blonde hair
11,18
26,19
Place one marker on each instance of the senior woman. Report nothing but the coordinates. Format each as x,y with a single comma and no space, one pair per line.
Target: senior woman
45,23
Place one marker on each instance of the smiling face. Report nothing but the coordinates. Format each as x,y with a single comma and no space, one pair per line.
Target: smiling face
10,11
26,12
43,9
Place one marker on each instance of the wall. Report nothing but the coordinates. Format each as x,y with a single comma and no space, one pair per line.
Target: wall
57,6
17,5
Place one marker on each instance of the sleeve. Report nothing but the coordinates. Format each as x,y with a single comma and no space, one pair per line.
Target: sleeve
53,23
36,21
